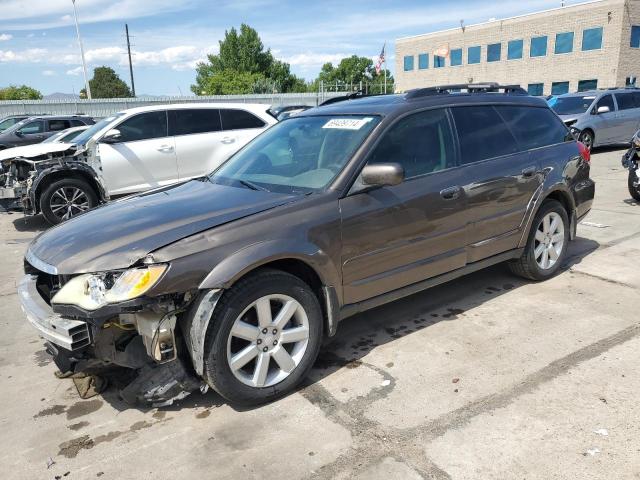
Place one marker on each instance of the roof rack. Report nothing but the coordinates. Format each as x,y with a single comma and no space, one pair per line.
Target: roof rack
351,96
469,87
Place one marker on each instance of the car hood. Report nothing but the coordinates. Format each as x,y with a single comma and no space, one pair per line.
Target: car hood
119,234
36,150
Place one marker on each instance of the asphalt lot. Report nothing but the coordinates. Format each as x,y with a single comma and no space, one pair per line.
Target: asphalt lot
485,377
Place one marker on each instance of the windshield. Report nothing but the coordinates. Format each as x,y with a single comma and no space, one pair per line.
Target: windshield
6,123
95,128
572,105
299,155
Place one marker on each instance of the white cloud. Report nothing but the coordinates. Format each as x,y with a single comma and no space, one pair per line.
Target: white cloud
75,71
31,55
48,73
104,54
5,36
314,59
66,18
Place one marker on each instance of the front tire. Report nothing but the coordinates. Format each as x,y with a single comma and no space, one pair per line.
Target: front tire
547,243
634,190
263,339
586,138
64,199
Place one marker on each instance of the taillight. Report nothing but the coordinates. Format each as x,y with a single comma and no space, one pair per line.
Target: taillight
584,152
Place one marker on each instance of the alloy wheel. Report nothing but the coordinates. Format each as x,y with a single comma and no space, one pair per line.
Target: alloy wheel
67,202
549,240
268,340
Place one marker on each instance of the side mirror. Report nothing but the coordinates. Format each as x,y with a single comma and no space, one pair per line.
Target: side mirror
382,174
112,136
603,109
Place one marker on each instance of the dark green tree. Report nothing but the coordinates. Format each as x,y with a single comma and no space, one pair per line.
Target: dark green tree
350,72
22,92
244,53
106,84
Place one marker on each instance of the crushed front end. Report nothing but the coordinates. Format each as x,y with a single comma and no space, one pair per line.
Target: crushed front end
96,324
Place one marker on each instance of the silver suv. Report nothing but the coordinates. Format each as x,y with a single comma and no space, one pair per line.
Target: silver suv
604,117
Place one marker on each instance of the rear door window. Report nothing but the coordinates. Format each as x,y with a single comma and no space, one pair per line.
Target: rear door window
58,125
533,127
144,126
235,119
625,101
422,143
196,120
482,134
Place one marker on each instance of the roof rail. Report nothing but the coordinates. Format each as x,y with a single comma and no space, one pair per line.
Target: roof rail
490,87
351,96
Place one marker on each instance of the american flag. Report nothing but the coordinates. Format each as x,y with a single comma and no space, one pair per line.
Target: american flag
380,60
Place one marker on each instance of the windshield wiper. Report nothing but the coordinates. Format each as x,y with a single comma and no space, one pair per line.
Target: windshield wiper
252,185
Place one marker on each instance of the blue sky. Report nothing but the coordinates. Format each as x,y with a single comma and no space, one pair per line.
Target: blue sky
38,44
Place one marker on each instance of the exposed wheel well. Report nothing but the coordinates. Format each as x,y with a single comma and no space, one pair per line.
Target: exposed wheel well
63,174
564,200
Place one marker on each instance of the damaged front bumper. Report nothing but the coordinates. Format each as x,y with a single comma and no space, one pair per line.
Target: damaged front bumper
146,339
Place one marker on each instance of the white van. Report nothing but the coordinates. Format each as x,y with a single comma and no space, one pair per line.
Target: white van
132,151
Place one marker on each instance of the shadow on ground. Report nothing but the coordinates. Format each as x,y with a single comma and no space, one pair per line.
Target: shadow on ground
25,223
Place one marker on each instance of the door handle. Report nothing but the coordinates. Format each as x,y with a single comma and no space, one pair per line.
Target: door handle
228,140
450,193
165,148
529,171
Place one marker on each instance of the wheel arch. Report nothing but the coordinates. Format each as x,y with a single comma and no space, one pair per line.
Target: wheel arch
56,173
561,194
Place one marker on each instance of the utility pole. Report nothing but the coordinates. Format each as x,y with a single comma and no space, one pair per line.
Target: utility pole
84,64
133,86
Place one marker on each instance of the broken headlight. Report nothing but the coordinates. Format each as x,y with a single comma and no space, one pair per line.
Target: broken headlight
94,290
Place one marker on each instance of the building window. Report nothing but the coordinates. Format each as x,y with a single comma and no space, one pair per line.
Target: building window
535,89
558,88
514,49
493,52
538,46
456,57
584,85
635,36
438,61
592,39
408,63
423,61
564,43
473,55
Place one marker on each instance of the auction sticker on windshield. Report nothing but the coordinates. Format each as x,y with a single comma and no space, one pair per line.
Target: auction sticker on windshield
347,123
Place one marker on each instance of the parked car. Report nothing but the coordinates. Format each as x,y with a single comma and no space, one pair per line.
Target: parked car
604,117
36,129
10,121
132,151
238,276
631,162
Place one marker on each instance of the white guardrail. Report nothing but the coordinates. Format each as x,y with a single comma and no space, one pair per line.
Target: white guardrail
106,106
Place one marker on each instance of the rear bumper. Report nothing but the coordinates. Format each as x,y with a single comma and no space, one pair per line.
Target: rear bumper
584,193
68,334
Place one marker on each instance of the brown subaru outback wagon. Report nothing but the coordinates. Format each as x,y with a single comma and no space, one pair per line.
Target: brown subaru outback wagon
232,280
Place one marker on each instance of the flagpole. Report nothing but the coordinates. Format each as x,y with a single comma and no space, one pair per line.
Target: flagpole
385,68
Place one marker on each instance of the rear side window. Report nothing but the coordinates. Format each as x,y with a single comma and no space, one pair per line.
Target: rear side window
482,134
196,120
78,123
625,101
422,143
233,119
58,125
534,127
144,126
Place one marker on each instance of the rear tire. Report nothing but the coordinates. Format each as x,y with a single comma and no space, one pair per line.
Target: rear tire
634,191
244,336
66,198
547,243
